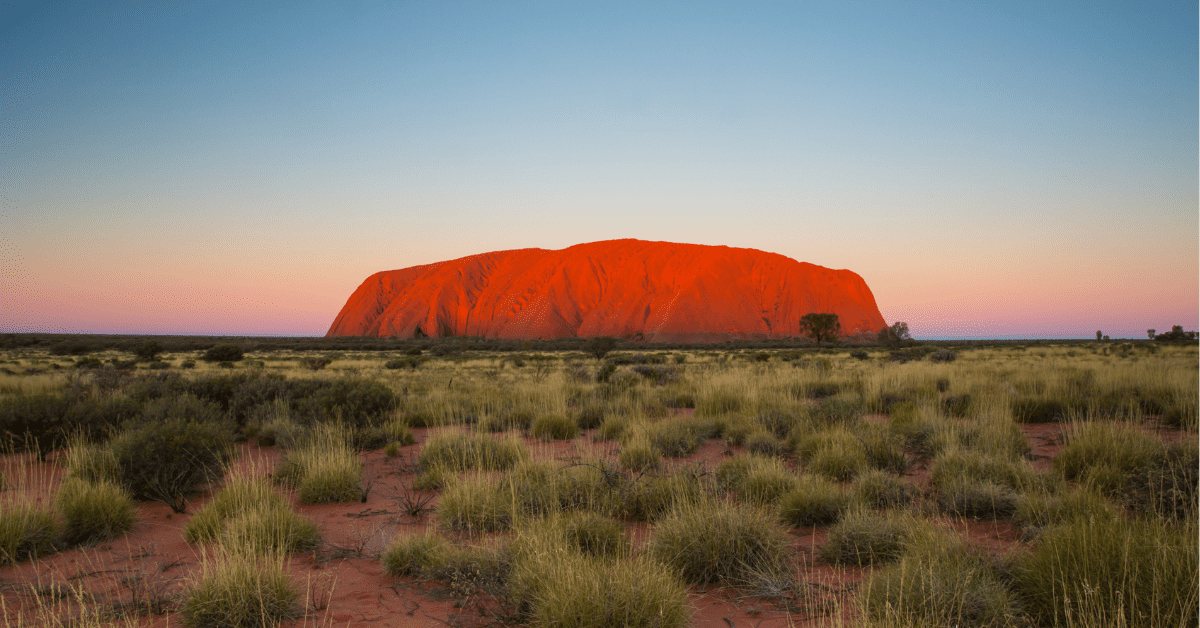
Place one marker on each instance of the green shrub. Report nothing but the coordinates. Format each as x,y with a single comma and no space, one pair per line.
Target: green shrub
315,362
170,460
864,538
223,353
93,511
240,591
713,541
554,427
878,489
34,423
26,531
814,501
1113,572
357,402
414,554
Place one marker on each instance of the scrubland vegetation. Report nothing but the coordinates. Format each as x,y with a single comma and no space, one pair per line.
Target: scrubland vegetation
1018,486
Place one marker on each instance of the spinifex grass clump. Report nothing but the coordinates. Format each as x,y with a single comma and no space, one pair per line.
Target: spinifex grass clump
864,538
270,529
979,499
1104,454
555,581
240,590
940,581
1113,572
554,427
815,501
714,540
27,530
835,453
475,504
756,479
323,467
456,451
956,465
414,554
879,489
93,511
651,497
638,453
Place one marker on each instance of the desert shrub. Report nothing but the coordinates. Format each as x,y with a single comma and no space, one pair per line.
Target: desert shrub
864,538
93,511
356,402
1112,572
240,591
96,417
979,499
34,423
187,364
413,554
475,505
223,353
814,501
1105,453
714,541
457,451
315,362
26,531
167,461
270,529
180,407
859,355
554,427
878,489
945,583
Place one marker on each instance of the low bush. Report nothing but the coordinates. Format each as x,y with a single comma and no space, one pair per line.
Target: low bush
34,423
1113,572
864,538
93,512
223,353
944,355
315,362
814,501
240,591
554,427
170,460
717,541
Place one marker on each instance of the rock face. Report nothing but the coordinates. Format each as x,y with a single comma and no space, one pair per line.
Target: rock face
665,292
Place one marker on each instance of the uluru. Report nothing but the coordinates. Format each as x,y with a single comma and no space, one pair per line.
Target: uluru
655,291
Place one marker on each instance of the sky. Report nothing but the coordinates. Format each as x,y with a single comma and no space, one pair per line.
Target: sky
991,170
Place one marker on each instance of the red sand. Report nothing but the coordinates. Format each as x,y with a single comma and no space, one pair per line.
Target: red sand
664,291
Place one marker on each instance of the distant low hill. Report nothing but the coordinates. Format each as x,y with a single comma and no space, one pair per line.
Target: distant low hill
656,291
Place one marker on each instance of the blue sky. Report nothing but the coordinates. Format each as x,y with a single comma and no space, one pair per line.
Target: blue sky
1012,169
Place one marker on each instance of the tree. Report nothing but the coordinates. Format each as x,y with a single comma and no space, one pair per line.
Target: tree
820,326
1099,335
1150,332
895,334
600,346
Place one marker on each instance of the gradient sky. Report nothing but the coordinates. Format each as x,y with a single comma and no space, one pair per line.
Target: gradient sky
1004,169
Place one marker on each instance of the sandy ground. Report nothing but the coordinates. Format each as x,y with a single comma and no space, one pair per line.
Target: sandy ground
344,583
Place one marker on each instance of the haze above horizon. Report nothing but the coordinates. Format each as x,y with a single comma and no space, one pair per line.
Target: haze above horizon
1023,170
